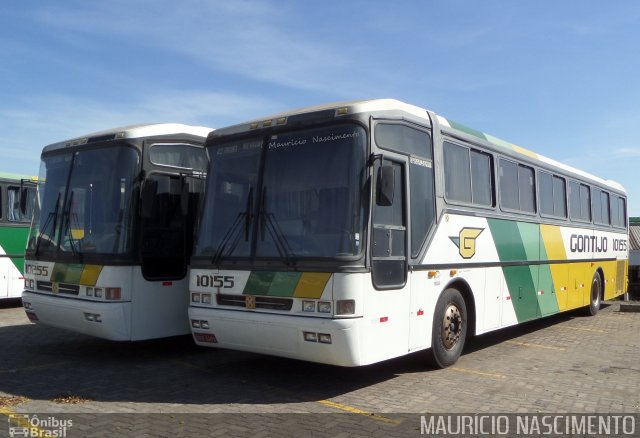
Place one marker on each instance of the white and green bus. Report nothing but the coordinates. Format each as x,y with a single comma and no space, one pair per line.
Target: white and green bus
352,233
113,232
17,193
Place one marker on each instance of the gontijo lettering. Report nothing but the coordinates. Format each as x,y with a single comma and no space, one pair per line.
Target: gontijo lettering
587,243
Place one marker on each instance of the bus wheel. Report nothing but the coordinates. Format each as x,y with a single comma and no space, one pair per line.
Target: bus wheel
449,328
596,290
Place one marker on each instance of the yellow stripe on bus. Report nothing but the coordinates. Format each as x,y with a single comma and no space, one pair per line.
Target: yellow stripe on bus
554,246
311,285
90,275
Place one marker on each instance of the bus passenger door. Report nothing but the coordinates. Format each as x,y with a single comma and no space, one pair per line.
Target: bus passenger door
164,234
390,299
388,252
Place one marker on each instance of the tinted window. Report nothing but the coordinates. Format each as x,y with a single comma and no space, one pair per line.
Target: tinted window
559,197
545,188
615,211
509,185
579,202
584,203
13,204
622,212
403,138
552,193
596,207
467,175
526,189
417,143
517,187
422,202
604,202
179,155
457,177
481,178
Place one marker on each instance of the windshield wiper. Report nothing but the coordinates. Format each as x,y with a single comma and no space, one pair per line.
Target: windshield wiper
270,223
66,217
52,217
232,231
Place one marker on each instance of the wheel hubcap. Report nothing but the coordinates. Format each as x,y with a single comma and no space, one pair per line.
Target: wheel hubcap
451,326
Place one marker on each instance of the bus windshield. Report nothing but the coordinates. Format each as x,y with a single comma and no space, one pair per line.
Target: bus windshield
288,196
85,203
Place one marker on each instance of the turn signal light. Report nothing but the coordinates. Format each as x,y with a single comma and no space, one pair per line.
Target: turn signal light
112,293
345,307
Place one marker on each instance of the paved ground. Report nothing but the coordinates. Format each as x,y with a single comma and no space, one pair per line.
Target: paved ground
563,364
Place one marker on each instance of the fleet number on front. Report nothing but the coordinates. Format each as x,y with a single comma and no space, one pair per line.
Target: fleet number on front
218,281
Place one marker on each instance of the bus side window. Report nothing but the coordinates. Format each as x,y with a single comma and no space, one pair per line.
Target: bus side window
13,204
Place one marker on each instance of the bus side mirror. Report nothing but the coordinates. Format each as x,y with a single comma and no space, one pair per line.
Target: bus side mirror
385,186
149,191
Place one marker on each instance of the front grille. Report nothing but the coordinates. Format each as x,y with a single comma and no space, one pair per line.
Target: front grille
270,303
62,288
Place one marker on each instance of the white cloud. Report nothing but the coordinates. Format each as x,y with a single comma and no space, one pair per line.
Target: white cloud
627,152
257,40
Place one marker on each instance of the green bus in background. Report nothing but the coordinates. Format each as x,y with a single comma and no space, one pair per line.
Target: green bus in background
17,193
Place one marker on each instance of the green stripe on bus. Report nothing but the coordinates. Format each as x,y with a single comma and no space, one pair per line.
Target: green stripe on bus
287,284
466,129
513,242
284,284
13,240
67,273
547,300
259,283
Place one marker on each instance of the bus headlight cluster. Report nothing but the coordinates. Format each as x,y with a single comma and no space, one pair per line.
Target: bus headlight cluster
27,305
197,297
323,338
316,306
109,293
94,292
200,324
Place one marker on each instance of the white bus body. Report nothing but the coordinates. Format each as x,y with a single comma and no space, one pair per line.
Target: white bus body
353,233
112,235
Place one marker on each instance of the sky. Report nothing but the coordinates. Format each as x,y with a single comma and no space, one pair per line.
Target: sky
561,78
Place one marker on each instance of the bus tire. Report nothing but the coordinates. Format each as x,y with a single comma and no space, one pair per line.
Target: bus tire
595,295
450,321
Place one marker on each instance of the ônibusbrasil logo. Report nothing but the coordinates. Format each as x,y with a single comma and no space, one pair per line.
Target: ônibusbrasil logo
26,425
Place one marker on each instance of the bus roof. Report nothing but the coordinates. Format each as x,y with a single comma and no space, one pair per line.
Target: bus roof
132,131
374,105
522,151
17,177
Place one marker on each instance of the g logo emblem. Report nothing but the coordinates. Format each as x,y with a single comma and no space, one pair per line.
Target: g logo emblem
466,241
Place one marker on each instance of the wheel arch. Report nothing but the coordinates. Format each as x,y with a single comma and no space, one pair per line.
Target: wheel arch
600,273
465,290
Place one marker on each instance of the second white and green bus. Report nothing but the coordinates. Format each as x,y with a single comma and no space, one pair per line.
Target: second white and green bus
352,233
113,232
17,193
